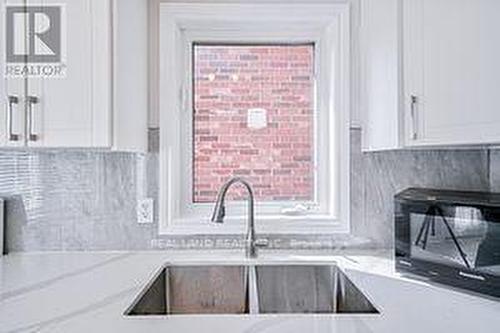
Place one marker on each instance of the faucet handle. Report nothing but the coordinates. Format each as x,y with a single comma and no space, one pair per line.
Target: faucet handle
261,242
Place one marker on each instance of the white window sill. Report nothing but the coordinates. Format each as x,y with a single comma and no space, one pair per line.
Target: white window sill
279,225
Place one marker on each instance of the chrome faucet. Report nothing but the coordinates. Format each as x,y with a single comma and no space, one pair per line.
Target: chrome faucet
220,212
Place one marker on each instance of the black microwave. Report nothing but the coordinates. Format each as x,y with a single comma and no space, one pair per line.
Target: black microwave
450,237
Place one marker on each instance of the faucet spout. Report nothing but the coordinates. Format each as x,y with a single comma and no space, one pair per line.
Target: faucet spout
220,212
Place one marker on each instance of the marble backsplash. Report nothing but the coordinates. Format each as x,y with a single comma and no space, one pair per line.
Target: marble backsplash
85,200
386,173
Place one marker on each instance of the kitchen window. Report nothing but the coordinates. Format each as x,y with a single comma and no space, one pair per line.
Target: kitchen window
258,92
253,118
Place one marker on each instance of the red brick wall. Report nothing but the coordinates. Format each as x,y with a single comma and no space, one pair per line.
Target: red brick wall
277,160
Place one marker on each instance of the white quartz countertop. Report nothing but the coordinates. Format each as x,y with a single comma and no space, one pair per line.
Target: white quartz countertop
88,292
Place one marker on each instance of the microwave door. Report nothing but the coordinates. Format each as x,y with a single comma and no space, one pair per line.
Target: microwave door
450,235
428,228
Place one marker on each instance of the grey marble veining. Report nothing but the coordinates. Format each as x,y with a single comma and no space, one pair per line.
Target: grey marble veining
388,173
86,199
62,275
494,171
99,306
74,200
357,179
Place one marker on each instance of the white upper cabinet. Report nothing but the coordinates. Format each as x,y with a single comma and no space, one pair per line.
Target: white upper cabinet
380,75
75,110
83,107
12,90
130,74
431,73
452,72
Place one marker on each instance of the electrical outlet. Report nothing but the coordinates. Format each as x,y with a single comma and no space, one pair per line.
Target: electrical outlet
145,211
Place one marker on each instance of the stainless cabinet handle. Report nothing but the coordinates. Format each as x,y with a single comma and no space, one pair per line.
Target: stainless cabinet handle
414,119
13,100
32,100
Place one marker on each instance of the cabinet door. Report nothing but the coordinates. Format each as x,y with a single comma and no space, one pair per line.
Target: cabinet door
12,111
130,74
380,28
75,110
452,72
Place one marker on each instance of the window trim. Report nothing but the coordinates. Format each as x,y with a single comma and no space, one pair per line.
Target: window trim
326,26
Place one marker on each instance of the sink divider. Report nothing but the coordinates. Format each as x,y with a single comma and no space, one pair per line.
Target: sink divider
335,305
167,289
253,296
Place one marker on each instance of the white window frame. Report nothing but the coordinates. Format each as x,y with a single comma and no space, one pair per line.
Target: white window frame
327,26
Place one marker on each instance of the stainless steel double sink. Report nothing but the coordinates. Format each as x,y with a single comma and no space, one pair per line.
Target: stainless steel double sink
250,289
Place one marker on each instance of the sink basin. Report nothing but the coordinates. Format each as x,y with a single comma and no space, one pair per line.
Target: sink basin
308,289
194,290
248,289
